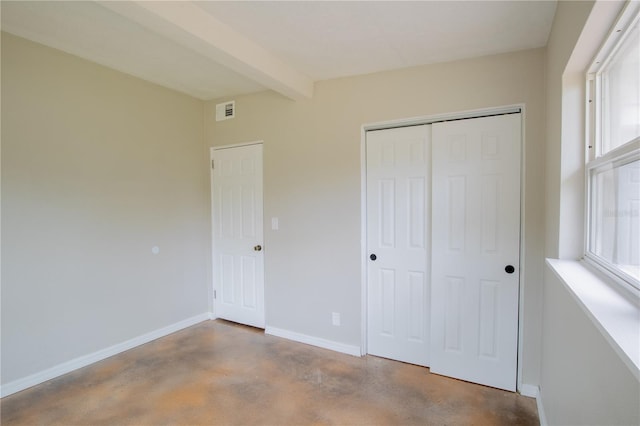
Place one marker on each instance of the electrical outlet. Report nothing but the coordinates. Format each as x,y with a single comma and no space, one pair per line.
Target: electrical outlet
335,318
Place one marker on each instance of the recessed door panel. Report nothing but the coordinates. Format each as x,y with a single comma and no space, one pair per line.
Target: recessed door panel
488,319
387,212
225,209
248,281
227,275
417,308
456,212
453,309
415,221
248,211
388,299
490,206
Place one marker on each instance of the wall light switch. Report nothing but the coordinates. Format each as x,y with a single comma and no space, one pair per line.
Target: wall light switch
335,318
274,223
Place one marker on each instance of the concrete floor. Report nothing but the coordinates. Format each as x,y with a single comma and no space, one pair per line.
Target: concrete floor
222,373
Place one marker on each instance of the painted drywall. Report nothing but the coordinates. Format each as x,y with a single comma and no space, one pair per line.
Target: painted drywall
568,23
572,46
582,379
313,181
98,167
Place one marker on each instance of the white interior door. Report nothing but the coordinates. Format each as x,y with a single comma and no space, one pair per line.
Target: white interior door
476,246
238,263
398,241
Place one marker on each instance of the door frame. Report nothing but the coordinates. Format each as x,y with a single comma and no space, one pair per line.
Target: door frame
430,119
212,311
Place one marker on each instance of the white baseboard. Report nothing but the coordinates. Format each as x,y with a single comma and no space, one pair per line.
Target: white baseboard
529,390
534,392
314,341
541,414
83,361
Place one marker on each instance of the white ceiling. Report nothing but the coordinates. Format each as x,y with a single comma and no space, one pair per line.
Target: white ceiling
213,49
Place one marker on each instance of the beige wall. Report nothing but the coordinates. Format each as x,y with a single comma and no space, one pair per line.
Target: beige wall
97,168
561,42
568,23
582,379
313,178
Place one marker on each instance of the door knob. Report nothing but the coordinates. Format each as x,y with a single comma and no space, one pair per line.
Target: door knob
258,248
373,257
509,269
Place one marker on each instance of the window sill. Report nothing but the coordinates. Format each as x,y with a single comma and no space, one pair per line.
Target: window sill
617,317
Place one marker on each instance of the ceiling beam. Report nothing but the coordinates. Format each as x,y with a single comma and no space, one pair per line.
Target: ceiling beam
186,23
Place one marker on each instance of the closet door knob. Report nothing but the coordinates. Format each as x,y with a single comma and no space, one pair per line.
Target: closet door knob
509,269
373,257
258,248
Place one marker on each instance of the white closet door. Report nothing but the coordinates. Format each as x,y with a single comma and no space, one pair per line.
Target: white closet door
476,246
398,240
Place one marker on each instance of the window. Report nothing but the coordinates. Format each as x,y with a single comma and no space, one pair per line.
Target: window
613,156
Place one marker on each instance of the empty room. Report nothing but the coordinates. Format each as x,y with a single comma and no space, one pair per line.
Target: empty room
320,212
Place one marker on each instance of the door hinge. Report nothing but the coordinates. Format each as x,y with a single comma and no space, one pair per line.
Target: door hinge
212,165
214,294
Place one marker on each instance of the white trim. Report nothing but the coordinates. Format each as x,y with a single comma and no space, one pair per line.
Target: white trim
429,119
595,161
212,284
364,314
522,264
314,341
624,154
542,416
613,314
529,390
615,36
235,145
83,361
613,276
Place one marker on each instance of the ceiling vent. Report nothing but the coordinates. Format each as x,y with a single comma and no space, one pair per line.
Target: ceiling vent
226,111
